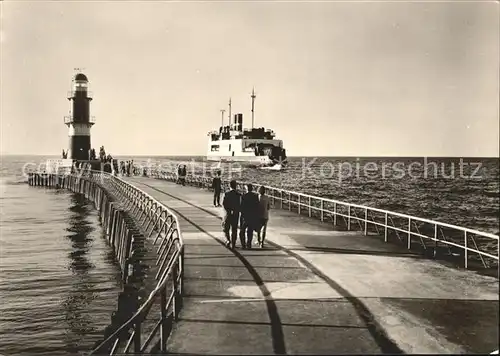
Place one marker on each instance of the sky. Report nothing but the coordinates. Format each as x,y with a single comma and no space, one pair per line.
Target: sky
332,78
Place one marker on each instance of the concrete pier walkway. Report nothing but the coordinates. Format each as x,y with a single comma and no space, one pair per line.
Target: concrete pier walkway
313,290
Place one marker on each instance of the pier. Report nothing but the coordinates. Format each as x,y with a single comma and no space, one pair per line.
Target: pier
334,278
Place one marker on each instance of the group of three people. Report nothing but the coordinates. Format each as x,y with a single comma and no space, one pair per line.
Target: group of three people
250,210
181,174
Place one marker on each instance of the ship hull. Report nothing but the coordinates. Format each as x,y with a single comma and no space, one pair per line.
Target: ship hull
255,161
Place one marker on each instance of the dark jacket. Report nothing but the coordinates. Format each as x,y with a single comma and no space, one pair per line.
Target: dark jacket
250,205
231,202
217,184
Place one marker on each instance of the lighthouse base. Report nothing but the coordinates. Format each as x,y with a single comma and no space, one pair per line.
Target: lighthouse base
79,147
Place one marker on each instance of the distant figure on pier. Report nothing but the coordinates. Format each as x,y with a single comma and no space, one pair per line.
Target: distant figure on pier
231,203
249,216
92,154
217,187
264,206
182,174
64,154
179,173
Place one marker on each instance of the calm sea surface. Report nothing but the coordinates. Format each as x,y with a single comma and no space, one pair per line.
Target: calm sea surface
59,284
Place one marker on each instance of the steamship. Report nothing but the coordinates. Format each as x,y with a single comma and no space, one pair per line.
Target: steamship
254,147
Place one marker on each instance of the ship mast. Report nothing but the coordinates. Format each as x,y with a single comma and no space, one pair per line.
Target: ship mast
222,111
229,112
253,96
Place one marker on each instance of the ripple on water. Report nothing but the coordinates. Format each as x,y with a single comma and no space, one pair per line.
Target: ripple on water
58,285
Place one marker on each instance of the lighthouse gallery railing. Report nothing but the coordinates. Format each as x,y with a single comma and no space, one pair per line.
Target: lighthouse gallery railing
70,119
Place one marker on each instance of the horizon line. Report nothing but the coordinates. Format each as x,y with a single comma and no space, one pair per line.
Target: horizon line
292,156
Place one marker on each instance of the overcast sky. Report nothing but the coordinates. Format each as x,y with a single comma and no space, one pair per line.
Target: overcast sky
339,78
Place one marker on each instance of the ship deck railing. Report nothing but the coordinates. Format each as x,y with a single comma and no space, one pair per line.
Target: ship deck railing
429,235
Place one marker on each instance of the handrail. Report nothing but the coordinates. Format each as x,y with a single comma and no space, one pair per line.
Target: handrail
72,93
68,119
496,237
170,275
403,226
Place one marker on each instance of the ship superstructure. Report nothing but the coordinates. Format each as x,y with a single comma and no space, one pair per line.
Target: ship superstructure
253,146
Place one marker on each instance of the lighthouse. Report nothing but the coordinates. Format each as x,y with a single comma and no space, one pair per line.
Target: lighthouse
79,121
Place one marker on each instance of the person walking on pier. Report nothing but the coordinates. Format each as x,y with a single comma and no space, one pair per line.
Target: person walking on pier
217,187
264,206
179,173
249,216
183,174
231,203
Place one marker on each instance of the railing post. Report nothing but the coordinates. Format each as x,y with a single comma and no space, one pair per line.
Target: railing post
409,233
175,276
466,254
163,311
137,337
334,214
309,203
321,209
349,218
181,256
366,221
435,239
298,202
385,228
281,199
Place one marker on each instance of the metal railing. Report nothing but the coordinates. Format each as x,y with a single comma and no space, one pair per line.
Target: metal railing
143,330
68,119
76,93
410,230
